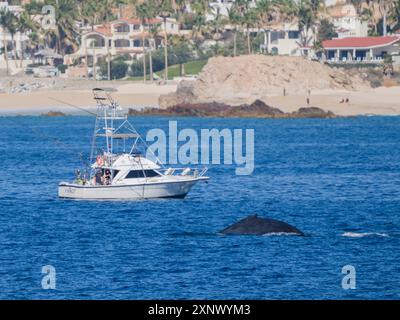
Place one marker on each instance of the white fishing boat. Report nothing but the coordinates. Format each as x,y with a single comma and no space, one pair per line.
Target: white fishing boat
117,168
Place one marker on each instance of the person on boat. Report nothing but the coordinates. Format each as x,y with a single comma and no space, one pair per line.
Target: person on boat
107,177
78,178
98,177
84,179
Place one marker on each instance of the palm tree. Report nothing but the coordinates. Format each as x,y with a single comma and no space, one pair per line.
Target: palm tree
103,8
35,40
306,21
149,13
65,33
24,24
5,21
153,33
234,20
250,19
263,11
358,4
89,13
316,6
142,14
165,11
376,11
286,9
200,9
12,29
247,17
309,16
395,16
216,25
385,6
181,5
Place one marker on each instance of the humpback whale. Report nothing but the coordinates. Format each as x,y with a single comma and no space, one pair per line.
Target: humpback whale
254,225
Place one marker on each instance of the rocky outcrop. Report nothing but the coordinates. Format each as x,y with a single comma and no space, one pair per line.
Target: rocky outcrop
54,114
183,95
312,112
244,79
258,109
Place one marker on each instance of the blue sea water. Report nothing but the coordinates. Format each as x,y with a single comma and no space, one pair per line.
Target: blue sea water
336,180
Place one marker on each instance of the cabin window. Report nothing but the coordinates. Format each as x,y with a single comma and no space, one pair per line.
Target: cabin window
115,172
134,174
151,173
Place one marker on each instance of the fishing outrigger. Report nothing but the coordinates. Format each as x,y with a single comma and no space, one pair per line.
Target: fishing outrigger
119,170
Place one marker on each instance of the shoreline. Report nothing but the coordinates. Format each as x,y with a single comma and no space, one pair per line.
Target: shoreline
381,101
81,114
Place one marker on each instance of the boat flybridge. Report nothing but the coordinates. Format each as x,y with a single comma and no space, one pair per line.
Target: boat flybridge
117,168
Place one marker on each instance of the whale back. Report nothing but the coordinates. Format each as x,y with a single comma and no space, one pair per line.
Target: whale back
254,225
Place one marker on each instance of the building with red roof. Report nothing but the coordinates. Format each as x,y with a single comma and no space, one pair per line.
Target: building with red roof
361,49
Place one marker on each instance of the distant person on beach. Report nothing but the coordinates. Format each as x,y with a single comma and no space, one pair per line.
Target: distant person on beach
284,92
344,100
308,96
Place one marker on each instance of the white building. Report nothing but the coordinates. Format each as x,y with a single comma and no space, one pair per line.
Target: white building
346,20
122,36
287,39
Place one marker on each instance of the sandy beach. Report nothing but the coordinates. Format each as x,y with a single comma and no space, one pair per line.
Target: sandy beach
129,95
378,101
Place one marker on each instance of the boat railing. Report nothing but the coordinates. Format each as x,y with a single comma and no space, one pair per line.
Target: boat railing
184,171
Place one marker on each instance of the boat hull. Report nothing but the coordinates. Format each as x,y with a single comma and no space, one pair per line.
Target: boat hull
177,189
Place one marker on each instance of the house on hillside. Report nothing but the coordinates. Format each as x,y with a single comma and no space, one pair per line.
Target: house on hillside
122,36
287,39
345,18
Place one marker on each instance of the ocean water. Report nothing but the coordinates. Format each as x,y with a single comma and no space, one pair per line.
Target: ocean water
336,180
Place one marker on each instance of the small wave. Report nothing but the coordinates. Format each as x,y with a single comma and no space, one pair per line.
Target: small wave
280,234
190,234
363,234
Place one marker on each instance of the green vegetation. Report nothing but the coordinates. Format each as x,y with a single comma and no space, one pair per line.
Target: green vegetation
118,69
178,53
191,68
62,68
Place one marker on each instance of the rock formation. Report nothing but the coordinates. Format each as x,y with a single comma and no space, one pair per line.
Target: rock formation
244,79
258,109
